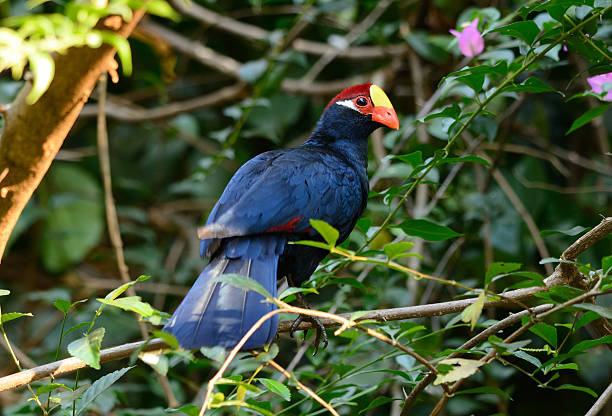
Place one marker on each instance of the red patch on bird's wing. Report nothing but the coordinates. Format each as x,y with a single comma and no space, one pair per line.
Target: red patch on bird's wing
286,227
351,92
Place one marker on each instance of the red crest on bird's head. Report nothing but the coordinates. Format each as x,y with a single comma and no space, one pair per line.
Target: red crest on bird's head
351,92
368,100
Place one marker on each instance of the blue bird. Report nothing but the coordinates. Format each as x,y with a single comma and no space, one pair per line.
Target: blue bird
267,204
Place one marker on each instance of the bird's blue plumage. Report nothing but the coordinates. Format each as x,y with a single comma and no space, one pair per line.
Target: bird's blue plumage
269,202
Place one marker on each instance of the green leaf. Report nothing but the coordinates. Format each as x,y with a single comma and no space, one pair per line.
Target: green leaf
472,312
311,243
414,159
474,81
161,8
122,46
62,304
527,357
498,268
188,409
427,230
4,292
118,291
460,368
88,348
293,290
577,388
50,387
243,282
167,338
463,159
77,326
98,387
276,387
590,343
526,30
329,233
571,232
131,304
545,331
378,401
43,69
214,353
5,317
603,311
531,84
395,250
486,390
587,117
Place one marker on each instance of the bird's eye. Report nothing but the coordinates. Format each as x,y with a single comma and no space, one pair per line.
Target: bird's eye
362,101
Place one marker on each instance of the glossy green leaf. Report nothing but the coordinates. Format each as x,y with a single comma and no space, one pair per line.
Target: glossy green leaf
531,84
603,311
6,317
427,230
276,387
329,233
62,304
396,250
130,303
526,30
115,293
588,116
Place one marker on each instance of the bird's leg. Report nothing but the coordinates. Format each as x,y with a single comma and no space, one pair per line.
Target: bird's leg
314,320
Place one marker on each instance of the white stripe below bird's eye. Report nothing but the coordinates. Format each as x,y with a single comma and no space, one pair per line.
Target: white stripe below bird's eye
348,103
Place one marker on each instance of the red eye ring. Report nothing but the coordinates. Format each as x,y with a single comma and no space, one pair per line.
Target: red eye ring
361,101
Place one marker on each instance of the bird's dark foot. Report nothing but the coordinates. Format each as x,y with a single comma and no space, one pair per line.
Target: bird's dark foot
312,319
318,327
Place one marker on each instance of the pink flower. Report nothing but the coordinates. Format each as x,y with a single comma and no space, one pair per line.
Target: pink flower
601,83
471,42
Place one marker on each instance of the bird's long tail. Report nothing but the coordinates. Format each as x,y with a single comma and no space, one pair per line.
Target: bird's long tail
218,314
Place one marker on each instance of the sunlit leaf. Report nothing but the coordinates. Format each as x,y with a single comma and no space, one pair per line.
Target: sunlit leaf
87,348
276,387
329,233
460,368
5,317
43,69
472,312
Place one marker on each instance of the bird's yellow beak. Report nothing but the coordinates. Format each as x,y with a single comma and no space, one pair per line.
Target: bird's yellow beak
383,109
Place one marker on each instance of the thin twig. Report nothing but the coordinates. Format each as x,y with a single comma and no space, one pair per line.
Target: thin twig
303,387
113,221
601,402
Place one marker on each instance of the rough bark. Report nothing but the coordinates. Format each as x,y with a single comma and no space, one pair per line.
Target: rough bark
33,134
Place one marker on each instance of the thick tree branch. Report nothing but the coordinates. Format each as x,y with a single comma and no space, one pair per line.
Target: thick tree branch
33,134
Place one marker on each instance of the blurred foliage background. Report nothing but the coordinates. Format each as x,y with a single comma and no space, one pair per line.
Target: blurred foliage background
206,94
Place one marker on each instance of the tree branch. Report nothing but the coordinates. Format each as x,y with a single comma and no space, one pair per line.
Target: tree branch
33,134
